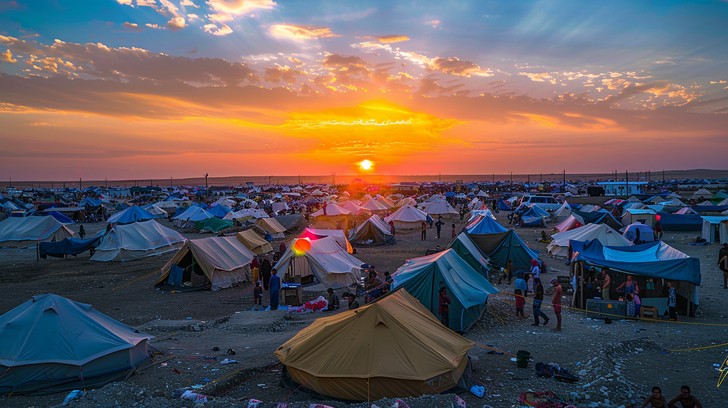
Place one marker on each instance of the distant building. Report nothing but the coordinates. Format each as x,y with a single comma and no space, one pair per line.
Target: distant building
404,187
622,188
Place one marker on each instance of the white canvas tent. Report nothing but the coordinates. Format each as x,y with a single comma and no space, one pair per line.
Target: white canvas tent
220,262
440,208
407,217
713,228
559,247
322,261
21,232
137,240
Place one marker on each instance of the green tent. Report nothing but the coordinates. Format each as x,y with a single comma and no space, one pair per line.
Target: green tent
468,289
466,248
213,224
502,246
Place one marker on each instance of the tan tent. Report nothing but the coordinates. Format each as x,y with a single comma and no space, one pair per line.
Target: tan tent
271,226
254,242
220,262
391,348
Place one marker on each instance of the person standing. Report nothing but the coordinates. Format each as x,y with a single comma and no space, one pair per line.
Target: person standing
556,302
275,288
535,272
257,296
444,307
423,236
265,269
606,282
657,228
438,226
723,264
537,301
520,292
453,232
671,300
82,231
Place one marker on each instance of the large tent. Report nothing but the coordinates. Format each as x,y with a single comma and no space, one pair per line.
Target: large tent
332,216
467,287
711,230
21,232
646,216
503,246
213,225
680,222
373,231
51,344
407,217
319,264
190,216
254,242
137,240
646,233
602,232
439,208
598,217
571,222
483,224
220,262
130,215
391,348
470,253
655,260
314,234
271,226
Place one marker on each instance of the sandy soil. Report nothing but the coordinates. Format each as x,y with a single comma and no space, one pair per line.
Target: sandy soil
618,363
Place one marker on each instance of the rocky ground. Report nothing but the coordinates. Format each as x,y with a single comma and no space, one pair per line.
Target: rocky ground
195,332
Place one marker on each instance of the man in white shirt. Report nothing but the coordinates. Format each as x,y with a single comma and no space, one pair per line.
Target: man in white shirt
535,272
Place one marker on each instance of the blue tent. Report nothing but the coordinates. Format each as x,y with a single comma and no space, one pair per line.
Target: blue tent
503,246
67,246
534,217
466,249
503,205
62,218
50,344
219,210
484,225
599,217
680,222
710,208
655,259
469,290
131,215
89,202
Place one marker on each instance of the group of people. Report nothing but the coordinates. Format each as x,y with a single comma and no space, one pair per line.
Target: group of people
685,399
521,293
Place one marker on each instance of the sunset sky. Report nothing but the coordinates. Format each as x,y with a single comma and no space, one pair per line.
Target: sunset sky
125,89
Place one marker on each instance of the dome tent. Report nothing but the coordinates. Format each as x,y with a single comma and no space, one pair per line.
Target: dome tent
50,344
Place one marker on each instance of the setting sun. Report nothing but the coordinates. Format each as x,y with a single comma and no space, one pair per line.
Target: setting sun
366,165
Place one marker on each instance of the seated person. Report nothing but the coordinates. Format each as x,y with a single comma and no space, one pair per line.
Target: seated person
351,299
373,286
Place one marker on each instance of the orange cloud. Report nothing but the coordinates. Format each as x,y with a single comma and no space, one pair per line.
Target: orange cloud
390,39
300,33
7,56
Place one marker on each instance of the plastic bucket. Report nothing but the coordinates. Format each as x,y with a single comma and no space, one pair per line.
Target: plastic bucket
522,357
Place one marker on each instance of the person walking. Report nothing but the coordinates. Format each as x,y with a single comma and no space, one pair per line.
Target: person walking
556,302
275,288
671,301
438,226
537,301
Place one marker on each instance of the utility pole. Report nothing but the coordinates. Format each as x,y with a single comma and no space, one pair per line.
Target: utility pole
564,188
79,184
207,188
170,181
626,183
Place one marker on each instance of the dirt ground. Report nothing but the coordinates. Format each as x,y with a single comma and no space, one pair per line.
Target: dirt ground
194,332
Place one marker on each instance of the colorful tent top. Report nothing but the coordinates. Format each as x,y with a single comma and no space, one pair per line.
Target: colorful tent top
315,233
213,225
373,231
466,249
654,259
484,225
502,246
21,232
571,222
137,240
130,215
559,246
254,242
323,260
220,262
467,287
390,348
51,344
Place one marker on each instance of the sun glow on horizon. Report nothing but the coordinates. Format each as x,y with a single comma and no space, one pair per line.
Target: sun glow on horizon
366,165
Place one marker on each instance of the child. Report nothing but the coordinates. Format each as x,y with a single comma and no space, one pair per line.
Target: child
520,302
258,296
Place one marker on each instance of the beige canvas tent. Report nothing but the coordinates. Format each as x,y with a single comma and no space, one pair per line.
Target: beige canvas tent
391,348
21,232
271,226
220,262
254,242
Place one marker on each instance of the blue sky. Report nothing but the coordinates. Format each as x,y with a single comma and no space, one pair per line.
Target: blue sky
623,70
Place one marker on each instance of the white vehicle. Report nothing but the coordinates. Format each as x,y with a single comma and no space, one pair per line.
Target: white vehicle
544,201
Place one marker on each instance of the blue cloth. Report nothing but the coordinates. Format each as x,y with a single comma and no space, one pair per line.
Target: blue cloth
275,290
521,284
672,299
